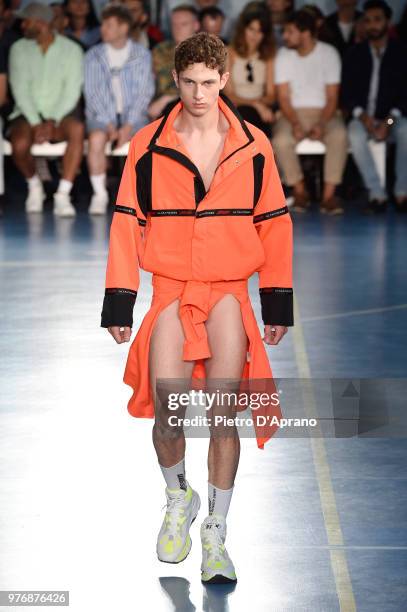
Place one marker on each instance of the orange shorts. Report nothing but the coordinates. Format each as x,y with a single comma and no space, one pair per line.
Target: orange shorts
196,300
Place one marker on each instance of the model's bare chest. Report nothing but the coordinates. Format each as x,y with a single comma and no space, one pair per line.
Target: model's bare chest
205,154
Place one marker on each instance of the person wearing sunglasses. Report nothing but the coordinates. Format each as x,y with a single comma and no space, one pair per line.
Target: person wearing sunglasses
250,63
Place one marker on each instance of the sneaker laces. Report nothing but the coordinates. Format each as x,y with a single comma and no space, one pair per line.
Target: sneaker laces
213,537
175,510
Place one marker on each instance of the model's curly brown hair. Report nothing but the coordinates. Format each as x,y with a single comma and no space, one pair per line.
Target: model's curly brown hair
201,48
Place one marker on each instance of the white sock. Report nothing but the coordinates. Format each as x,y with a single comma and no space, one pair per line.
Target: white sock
98,182
64,186
219,499
175,475
33,181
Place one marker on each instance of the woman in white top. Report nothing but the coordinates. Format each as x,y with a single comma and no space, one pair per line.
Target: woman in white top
250,62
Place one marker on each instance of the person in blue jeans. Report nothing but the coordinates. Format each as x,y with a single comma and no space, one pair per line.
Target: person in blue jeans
374,93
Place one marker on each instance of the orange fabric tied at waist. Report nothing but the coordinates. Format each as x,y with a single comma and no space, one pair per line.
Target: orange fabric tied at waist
197,298
195,304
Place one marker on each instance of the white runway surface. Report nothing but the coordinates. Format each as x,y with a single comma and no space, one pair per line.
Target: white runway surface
81,493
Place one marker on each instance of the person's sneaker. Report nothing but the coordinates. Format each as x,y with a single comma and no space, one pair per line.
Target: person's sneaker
63,206
375,206
331,206
216,566
301,202
174,541
35,199
99,203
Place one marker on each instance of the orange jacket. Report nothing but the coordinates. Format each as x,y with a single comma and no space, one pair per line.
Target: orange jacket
165,222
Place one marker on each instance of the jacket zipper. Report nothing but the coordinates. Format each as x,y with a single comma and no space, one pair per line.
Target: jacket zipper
180,158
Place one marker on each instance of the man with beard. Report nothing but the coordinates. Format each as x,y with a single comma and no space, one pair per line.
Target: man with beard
374,92
46,79
307,76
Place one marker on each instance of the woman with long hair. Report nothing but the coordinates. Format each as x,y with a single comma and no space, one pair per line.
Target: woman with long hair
251,66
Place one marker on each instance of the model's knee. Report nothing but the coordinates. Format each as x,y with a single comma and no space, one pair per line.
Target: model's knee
221,440
166,430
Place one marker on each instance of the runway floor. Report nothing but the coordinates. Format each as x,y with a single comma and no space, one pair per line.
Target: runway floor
315,523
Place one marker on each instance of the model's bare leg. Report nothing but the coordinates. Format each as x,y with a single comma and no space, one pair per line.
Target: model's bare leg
165,361
228,341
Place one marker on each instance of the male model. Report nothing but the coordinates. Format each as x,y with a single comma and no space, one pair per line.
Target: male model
200,205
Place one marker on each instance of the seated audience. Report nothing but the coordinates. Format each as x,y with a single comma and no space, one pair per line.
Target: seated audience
82,22
10,29
343,25
212,19
167,7
119,84
184,23
222,6
142,30
61,21
45,72
374,93
3,97
307,77
279,10
250,62
401,28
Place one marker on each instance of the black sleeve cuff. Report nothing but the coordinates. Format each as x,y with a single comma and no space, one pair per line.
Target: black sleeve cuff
277,306
118,307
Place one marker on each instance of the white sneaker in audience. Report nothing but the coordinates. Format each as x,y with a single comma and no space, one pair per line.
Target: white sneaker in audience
99,203
63,206
35,199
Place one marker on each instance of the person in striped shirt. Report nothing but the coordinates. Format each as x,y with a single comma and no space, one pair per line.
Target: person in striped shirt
119,84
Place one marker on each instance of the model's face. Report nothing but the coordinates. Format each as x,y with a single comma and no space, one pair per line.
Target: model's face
183,25
199,87
78,8
376,24
253,34
212,25
292,36
112,30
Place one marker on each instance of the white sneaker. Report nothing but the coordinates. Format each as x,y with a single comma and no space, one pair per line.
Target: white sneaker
63,206
35,199
174,541
216,566
99,203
